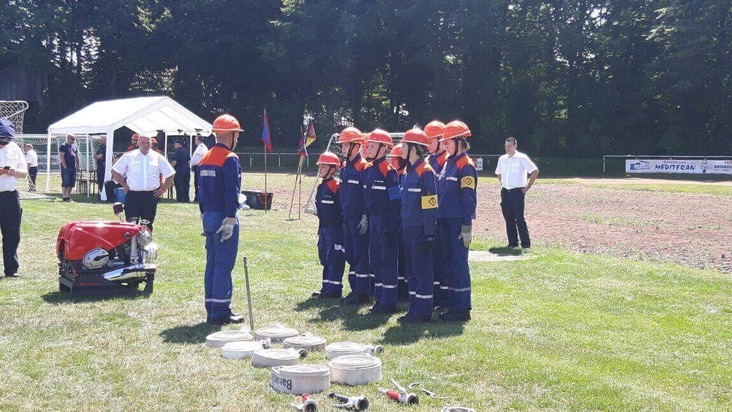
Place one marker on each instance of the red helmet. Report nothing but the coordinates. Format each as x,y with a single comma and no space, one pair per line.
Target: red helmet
226,123
350,135
329,158
434,129
380,136
415,136
396,151
455,129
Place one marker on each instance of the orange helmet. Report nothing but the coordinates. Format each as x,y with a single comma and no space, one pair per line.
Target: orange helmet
434,129
329,158
396,151
153,140
350,135
135,137
380,136
415,136
226,123
455,129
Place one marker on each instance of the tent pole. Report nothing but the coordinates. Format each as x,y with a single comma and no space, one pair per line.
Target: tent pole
48,162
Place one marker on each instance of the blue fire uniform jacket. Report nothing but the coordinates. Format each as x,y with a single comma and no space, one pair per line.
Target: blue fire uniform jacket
419,197
219,175
456,189
330,237
351,191
221,170
437,161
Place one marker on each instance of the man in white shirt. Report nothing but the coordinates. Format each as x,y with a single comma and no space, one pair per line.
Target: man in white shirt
142,168
201,150
32,159
512,171
12,168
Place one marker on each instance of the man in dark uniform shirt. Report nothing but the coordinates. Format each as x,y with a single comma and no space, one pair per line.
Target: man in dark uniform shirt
182,164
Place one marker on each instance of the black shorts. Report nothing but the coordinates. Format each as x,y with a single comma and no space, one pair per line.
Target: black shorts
68,177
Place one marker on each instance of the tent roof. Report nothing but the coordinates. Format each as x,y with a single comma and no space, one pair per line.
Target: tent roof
140,114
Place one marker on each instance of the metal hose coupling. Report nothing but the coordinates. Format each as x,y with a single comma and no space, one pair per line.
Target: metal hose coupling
352,403
308,404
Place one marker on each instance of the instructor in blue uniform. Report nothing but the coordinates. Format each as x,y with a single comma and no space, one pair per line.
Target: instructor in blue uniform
355,222
330,227
383,204
220,179
456,191
419,223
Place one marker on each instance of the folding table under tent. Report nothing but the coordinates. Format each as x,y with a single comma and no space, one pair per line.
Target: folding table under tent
139,114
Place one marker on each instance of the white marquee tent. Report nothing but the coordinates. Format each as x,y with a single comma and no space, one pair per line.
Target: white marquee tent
139,114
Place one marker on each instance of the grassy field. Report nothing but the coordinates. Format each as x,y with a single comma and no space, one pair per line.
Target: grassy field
558,331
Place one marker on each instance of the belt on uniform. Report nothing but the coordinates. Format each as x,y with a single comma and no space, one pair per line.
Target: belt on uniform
9,193
512,190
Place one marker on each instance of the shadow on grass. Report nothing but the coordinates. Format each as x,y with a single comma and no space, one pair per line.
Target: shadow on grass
56,298
408,334
189,334
505,251
313,302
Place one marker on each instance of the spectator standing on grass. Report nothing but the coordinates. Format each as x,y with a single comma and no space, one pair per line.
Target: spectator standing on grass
182,165
68,155
512,171
330,227
142,168
101,158
13,167
456,190
201,150
220,176
31,158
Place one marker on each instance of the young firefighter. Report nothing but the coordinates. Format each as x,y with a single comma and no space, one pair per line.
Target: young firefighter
383,203
419,223
397,161
437,159
330,227
355,225
456,190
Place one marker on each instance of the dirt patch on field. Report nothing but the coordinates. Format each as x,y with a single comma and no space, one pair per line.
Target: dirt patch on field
685,228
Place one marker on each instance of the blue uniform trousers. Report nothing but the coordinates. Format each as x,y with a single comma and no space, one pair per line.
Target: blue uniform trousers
419,274
357,255
384,259
440,282
333,259
402,275
220,260
454,264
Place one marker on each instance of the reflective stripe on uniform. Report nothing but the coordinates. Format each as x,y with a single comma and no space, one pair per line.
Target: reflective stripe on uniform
208,173
423,296
378,187
414,189
327,202
355,182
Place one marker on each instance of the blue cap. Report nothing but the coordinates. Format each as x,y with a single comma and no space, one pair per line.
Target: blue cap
7,131
7,128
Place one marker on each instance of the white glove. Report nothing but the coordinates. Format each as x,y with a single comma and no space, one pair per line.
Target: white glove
227,228
363,225
466,235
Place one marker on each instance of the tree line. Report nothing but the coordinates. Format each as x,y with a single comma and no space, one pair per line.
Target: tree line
575,78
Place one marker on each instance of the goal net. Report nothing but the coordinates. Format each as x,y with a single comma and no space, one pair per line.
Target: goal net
14,110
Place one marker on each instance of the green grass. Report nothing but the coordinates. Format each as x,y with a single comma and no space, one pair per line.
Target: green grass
559,331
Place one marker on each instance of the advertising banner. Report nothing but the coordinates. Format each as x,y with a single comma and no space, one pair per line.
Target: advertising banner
682,166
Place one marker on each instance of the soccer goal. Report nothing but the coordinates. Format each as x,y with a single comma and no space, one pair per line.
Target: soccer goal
14,110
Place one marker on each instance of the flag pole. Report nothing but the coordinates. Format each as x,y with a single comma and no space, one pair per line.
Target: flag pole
266,194
299,195
294,189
